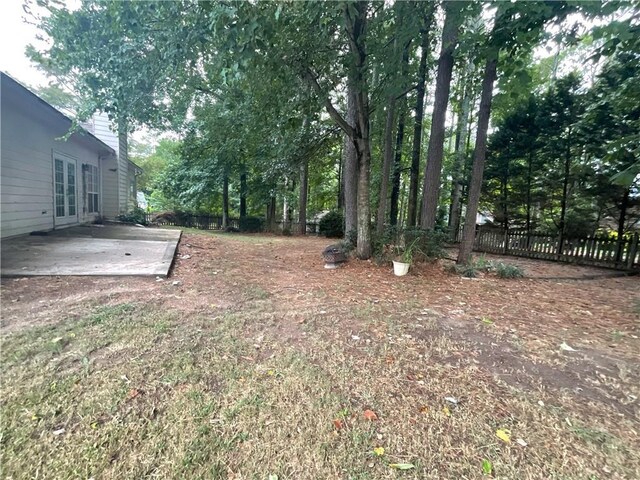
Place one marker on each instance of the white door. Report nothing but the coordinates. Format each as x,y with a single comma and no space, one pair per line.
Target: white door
65,191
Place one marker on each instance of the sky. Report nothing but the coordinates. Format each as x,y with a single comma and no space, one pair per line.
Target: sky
15,35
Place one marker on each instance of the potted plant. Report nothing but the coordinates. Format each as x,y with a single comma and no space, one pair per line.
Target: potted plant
403,259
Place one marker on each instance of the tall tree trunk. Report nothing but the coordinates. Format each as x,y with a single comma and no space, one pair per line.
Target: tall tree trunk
460,153
397,166
386,164
565,193
397,161
304,187
621,219
340,181
435,152
225,201
529,181
417,128
243,195
356,28
479,155
271,214
350,169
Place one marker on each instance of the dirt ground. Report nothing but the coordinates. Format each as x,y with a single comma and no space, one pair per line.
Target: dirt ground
506,330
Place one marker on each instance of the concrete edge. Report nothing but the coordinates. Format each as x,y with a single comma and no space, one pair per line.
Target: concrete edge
169,257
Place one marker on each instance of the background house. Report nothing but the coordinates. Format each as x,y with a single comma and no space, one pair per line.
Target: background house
50,180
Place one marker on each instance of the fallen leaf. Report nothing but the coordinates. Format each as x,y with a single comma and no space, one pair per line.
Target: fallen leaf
452,400
487,320
273,477
370,415
487,468
567,348
446,411
521,442
424,409
402,466
504,435
338,423
133,393
58,432
379,451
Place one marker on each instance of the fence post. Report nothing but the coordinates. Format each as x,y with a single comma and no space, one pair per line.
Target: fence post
633,250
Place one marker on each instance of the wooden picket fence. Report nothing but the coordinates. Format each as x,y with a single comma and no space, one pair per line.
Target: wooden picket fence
621,254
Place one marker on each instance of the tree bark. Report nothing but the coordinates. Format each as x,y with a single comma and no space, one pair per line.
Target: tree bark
271,214
397,167
243,195
621,220
435,152
529,181
397,162
417,127
565,193
350,169
356,27
304,187
225,201
462,130
386,164
479,156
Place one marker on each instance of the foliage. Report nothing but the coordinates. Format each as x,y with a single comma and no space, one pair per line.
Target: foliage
251,224
507,270
429,244
475,266
332,224
137,216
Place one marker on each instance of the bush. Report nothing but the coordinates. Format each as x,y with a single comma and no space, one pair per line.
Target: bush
332,225
475,266
429,243
468,270
137,215
251,224
507,270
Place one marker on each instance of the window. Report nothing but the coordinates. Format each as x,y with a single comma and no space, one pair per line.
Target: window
60,210
93,189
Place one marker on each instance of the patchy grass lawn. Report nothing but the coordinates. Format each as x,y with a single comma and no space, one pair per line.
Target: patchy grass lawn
260,364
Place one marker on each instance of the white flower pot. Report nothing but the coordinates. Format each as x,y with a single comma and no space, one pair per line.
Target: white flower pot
400,268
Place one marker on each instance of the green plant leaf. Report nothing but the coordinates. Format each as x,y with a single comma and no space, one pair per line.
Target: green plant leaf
487,467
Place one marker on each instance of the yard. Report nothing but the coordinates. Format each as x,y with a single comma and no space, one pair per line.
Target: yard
253,361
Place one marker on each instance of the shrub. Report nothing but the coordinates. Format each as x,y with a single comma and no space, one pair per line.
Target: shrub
430,243
332,225
251,224
136,215
286,231
468,270
507,270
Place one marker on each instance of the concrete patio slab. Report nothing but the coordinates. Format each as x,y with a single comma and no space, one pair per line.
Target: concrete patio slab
91,250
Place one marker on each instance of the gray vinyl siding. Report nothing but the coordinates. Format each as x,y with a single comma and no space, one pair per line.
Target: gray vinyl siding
29,137
117,197
123,174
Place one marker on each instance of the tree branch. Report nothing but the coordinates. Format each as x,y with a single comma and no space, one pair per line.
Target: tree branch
333,113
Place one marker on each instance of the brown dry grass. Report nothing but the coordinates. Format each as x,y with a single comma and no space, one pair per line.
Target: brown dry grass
243,369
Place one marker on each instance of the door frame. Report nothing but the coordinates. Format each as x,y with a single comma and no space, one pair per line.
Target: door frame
67,220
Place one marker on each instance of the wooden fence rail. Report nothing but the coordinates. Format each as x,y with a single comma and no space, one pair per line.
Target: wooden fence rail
622,254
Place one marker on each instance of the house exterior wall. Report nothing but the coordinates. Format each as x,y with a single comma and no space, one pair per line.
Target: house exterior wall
30,137
118,182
